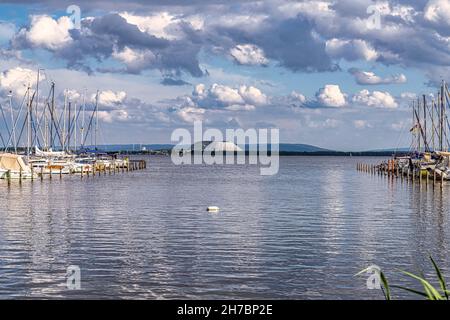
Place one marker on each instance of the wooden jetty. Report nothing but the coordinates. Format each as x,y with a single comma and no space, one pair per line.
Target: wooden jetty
392,169
97,171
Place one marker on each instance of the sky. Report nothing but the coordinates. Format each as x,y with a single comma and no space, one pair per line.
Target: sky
335,74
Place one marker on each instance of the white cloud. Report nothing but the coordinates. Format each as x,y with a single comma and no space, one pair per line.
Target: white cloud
222,96
248,54
17,79
113,115
375,99
191,114
241,107
109,98
331,96
155,24
73,95
408,95
48,33
350,50
135,60
252,95
163,24
225,94
438,11
370,78
297,97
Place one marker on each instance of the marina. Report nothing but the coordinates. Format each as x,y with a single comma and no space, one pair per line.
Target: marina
47,142
428,158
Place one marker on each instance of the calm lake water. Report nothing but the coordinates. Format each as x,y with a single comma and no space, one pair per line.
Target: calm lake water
301,234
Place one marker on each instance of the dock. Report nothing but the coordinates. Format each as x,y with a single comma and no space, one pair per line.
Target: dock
96,170
393,169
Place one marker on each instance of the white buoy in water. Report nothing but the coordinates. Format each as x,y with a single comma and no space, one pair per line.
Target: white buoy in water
212,209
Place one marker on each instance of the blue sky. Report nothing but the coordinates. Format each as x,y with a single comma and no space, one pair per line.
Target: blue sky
320,71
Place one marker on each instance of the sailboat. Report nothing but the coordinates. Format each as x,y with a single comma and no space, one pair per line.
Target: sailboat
430,143
13,166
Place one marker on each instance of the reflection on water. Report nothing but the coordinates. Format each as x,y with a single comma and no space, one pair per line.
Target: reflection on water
303,233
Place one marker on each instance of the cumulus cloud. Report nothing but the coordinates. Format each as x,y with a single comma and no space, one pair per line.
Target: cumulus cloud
351,50
17,79
307,36
191,114
113,116
248,54
232,98
109,98
46,32
135,60
155,24
252,95
370,78
111,35
72,95
377,99
331,96
163,24
295,96
438,11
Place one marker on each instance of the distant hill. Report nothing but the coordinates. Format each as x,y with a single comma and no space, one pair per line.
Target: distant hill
283,147
393,150
288,147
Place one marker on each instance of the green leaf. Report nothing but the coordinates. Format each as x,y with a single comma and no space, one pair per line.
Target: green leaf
385,283
432,293
411,290
440,277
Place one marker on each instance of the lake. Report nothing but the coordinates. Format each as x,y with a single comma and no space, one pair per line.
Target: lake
301,234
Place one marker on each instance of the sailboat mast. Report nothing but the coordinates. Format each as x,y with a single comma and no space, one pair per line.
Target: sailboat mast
432,124
64,121
83,119
441,119
13,124
96,119
75,128
425,120
37,98
52,112
69,126
28,121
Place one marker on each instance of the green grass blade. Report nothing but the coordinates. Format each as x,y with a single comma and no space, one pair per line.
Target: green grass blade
387,290
411,290
432,293
440,277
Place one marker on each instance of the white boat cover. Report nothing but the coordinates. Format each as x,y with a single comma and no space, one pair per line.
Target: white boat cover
58,154
13,162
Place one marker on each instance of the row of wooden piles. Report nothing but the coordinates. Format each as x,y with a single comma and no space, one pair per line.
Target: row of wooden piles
133,165
392,169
